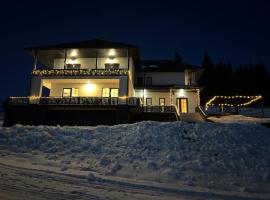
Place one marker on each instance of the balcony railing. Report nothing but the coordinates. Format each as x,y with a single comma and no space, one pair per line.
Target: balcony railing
163,109
133,101
80,72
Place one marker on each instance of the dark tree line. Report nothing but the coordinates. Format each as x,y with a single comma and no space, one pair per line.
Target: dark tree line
223,79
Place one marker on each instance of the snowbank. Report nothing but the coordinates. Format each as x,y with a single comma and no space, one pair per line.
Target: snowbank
206,154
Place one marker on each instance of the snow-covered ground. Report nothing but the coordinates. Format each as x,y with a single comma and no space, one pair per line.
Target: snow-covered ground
239,119
146,160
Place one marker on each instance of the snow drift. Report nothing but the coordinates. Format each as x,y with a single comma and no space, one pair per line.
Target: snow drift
206,154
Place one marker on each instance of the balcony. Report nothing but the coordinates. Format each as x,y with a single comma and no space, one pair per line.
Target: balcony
83,101
80,72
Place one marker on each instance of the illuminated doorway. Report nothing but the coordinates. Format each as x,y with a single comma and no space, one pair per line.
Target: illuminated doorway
182,105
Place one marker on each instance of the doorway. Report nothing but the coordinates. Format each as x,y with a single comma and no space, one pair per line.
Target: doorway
182,105
162,104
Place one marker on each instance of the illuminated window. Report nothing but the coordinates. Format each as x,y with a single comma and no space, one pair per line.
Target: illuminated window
109,92
75,92
105,92
114,92
66,92
162,101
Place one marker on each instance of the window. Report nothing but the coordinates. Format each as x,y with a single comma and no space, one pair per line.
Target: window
148,80
148,101
110,92
70,92
114,92
162,104
75,92
66,92
140,81
105,92
162,101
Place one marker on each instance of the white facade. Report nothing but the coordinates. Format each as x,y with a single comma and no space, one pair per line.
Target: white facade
155,88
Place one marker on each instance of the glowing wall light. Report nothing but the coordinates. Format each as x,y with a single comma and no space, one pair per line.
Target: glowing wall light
89,87
74,53
112,53
181,93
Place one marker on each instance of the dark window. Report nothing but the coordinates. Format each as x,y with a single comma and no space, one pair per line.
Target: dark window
73,66
140,81
148,80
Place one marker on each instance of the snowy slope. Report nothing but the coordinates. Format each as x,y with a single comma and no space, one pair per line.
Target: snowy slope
224,156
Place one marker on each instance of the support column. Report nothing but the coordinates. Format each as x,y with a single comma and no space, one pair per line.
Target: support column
96,59
128,57
35,52
128,73
65,59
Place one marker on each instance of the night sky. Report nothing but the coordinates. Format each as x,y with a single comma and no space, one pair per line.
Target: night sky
234,31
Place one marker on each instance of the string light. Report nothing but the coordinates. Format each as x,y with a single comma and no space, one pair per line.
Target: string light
80,72
252,99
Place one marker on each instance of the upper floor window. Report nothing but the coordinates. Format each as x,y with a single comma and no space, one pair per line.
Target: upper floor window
148,80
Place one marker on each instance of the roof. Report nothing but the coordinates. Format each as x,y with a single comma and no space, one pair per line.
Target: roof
95,44
165,66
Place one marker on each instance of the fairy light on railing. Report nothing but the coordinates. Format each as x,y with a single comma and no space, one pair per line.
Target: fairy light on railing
80,72
250,98
73,100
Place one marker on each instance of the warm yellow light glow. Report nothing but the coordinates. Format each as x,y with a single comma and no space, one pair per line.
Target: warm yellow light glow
123,97
89,87
181,93
111,60
74,53
111,53
253,99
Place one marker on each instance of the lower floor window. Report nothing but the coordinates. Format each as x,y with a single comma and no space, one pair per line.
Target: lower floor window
70,92
66,92
148,101
110,92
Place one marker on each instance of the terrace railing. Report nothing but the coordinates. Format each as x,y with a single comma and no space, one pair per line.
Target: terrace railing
165,109
132,101
80,72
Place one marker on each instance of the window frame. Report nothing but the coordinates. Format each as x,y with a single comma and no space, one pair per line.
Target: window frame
146,100
70,93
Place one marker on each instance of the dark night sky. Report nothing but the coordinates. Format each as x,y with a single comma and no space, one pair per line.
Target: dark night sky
235,31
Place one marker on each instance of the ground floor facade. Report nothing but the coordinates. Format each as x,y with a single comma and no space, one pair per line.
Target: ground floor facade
185,100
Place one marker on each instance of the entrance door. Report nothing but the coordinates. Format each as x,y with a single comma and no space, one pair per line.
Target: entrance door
162,104
182,105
